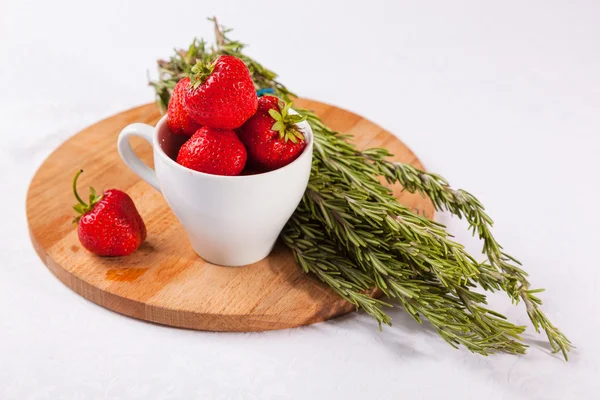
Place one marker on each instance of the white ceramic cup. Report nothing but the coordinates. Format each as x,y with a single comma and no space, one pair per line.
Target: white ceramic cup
229,220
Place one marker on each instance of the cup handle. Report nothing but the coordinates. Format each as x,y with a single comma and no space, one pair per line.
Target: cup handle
131,159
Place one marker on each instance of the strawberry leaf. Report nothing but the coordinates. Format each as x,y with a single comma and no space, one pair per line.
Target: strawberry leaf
286,109
295,118
275,115
286,123
200,72
92,197
278,126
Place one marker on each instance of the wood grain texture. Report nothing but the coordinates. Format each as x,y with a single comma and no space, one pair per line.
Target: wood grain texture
165,281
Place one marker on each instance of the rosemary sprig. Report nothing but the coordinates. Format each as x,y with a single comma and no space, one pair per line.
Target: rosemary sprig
352,234
506,273
317,254
428,277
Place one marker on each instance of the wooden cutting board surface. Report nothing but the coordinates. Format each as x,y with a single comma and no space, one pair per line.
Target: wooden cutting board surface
165,281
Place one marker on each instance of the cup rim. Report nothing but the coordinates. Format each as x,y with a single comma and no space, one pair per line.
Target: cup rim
307,152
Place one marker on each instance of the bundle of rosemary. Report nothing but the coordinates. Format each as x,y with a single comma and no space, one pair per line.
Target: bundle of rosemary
353,234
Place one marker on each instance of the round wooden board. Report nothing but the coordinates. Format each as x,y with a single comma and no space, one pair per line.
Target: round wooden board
165,281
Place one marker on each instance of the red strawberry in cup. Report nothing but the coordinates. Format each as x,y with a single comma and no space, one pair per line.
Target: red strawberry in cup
271,136
109,225
178,119
213,151
222,94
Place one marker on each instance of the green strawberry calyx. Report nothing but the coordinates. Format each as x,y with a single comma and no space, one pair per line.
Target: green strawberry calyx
200,72
82,207
287,124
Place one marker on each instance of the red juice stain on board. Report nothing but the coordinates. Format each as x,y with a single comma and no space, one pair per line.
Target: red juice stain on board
124,274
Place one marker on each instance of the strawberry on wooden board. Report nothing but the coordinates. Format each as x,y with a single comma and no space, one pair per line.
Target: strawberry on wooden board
109,225
271,136
213,151
221,94
178,119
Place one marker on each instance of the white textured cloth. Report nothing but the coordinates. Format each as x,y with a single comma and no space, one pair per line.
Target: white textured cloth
501,98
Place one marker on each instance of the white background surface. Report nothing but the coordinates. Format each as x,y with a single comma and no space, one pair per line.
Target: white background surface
501,98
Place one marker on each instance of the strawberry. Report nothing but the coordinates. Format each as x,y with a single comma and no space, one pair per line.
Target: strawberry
109,225
178,119
221,94
271,136
213,151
